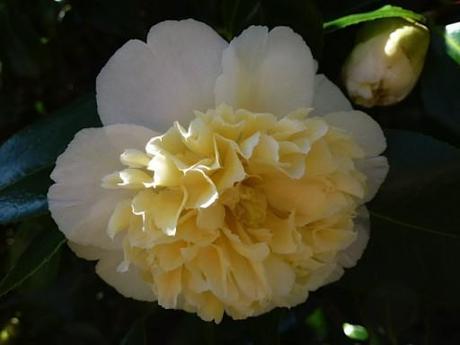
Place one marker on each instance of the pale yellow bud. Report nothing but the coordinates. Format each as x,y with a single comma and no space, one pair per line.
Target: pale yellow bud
386,62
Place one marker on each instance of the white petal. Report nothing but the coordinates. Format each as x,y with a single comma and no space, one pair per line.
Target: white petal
128,283
78,204
267,72
365,130
328,98
349,256
376,170
163,81
86,252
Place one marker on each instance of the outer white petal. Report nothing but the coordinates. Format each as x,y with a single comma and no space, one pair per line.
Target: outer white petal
348,257
267,72
376,170
128,283
328,98
163,81
365,130
86,252
78,203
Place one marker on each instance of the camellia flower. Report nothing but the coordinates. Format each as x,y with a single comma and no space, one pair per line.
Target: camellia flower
228,178
386,63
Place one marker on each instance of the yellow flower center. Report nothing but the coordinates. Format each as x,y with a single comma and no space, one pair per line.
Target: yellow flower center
251,209
240,212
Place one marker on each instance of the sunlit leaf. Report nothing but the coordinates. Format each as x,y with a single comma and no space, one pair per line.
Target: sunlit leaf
452,41
387,11
355,332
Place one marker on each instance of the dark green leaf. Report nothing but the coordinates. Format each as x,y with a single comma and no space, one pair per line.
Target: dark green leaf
387,11
25,198
27,158
37,147
415,228
33,258
26,232
422,181
136,334
440,83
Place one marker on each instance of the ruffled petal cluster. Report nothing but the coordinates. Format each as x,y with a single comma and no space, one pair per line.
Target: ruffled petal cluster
228,178
239,212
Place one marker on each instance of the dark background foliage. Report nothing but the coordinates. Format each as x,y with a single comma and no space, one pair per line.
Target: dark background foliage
405,289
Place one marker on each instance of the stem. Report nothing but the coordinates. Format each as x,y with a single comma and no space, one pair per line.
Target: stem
415,227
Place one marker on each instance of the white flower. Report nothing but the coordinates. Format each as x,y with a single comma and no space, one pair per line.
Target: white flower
252,196
386,63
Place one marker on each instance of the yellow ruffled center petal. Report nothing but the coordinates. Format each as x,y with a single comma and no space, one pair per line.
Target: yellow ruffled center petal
240,212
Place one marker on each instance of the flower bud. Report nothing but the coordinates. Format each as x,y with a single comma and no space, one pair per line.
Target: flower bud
386,62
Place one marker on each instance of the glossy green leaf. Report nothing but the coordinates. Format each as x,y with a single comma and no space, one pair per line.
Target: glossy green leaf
37,146
32,259
387,11
25,198
27,158
415,228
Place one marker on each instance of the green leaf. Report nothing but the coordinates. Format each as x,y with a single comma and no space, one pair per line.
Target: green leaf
25,198
37,147
387,11
136,334
24,234
415,227
34,257
27,158
422,181
452,41
441,81
355,332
